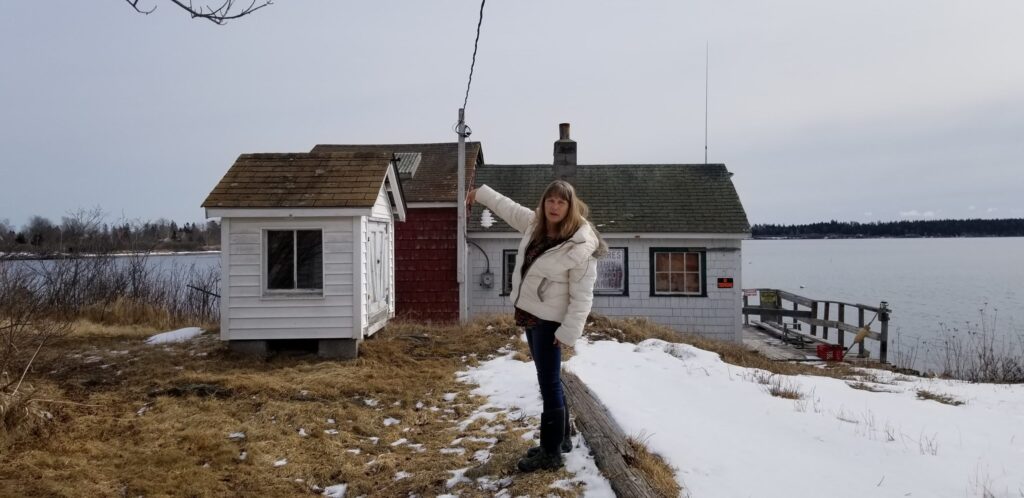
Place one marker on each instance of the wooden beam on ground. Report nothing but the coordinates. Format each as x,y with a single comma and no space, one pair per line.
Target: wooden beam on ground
605,438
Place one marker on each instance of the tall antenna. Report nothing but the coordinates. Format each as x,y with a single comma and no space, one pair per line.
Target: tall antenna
707,50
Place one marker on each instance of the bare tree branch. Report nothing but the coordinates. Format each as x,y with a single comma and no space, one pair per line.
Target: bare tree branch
135,5
217,15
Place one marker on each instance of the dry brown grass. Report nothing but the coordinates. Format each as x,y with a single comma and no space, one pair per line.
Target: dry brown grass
659,474
941,398
88,328
124,313
781,388
131,419
25,414
867,387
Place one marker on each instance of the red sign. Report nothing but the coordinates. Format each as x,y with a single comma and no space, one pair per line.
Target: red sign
725,283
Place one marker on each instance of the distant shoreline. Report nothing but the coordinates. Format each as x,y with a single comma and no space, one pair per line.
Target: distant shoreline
27,256
917,229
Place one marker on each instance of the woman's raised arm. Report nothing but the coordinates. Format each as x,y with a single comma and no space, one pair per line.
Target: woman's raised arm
516,215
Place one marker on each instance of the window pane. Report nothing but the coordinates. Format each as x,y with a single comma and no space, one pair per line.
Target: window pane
661,261
510,265
692,261
310,259
692,282
677,284
611,272
661,282
280,260
678,261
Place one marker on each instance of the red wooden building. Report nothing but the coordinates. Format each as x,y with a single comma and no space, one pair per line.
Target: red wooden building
425,253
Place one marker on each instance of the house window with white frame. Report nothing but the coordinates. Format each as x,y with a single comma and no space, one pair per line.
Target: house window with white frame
508,265
295,260
613,273
677,272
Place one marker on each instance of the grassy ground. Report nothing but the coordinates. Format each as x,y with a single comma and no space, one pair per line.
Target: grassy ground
113,416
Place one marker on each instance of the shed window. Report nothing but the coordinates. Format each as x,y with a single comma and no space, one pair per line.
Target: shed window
295,260
613,273
508,266
677,272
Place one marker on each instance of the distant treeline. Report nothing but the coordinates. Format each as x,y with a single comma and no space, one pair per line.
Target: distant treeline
87,231
1012,227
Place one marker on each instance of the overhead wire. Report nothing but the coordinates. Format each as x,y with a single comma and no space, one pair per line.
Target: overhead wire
476,43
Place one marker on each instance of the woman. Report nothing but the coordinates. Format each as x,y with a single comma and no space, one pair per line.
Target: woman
552,291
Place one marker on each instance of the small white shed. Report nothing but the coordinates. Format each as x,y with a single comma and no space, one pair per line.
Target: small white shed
307,248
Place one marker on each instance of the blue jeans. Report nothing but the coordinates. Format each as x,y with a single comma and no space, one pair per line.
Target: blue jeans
547,357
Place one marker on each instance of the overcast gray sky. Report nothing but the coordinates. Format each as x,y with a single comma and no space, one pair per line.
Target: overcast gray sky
861,110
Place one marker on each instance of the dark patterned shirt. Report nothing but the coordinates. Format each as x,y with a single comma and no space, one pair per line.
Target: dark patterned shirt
535,249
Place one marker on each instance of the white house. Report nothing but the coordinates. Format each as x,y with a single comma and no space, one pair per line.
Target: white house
307,243
674,231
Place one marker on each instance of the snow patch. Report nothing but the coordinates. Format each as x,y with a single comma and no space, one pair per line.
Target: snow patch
336,491
180,335
458,475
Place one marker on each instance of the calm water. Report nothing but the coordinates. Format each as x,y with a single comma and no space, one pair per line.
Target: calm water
930,284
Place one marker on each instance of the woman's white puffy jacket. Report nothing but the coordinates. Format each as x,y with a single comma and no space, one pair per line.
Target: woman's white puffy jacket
559,285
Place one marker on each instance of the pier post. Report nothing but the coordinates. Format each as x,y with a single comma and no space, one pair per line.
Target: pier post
883,316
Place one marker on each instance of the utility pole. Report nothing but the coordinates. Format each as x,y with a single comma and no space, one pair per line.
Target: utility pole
460,245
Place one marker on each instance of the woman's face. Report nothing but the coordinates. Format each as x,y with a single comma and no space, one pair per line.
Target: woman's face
555,209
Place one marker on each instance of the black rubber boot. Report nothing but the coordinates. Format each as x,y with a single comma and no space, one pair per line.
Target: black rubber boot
566,445
552,428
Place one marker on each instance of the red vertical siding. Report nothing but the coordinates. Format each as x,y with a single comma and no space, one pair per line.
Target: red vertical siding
425,261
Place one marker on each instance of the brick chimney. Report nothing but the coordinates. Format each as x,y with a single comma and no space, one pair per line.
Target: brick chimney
565,155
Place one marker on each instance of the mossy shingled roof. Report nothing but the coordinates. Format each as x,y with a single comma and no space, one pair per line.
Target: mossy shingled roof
629,198
436,178
292,180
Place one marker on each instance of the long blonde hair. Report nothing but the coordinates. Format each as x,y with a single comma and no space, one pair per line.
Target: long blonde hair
575,217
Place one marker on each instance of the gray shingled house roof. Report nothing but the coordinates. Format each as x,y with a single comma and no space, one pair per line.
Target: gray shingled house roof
435,178
666,198
346,179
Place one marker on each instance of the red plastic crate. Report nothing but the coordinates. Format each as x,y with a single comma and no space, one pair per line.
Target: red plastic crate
830,352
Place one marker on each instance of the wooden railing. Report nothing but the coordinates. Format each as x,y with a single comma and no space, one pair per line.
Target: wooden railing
774,306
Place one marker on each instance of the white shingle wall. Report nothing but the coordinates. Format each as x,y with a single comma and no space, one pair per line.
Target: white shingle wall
716,316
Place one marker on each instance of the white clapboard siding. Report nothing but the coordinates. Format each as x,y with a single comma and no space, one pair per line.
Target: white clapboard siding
295,312
297,302
296,323
253,316
289,333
